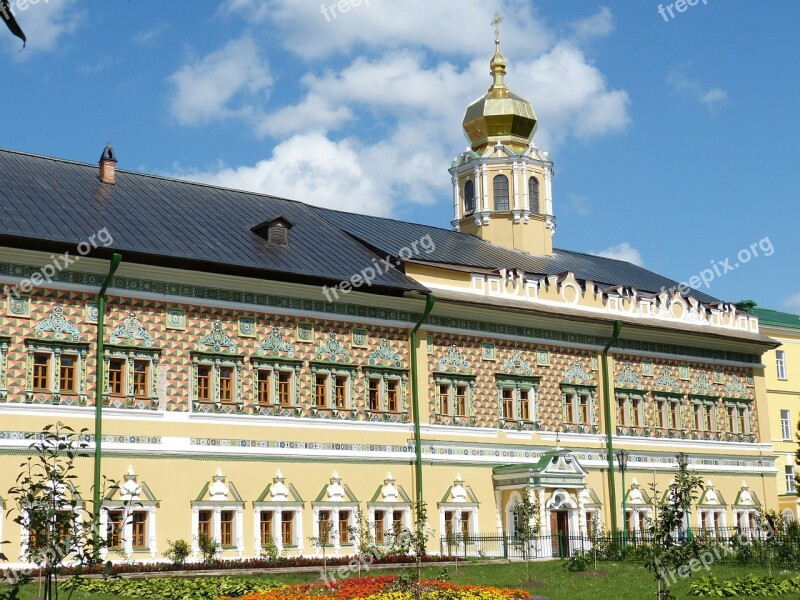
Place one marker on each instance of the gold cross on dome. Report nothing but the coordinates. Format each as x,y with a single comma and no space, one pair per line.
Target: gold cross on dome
498,18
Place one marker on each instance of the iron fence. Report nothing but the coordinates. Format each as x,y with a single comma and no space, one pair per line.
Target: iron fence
729,545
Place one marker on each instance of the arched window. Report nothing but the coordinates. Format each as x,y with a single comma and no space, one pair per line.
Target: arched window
533,195
469,197
501,192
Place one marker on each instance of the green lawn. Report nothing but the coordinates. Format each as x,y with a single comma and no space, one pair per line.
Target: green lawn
628,581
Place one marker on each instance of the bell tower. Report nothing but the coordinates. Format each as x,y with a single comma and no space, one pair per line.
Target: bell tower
502,183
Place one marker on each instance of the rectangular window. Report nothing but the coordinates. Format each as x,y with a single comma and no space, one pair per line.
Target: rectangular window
525,405
637,406
786,425
344,527
264,390
675,415
397,521
204,383
287,528
285,388
508,403
461,400
697,417
375,394
265,527
780,360
324,527
708,416
139,530
732,420
583,409
341,391
321,391
115,528
41,372
444,398
116,377
204,523
141,378
392,395
465,525
226,384
744,422
791,486
380,531
66,379
661,414
569,408
621,402
226,527
448,523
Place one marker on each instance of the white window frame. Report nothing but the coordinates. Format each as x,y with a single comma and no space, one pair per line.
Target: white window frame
780,362
748,418
388,509
631,417
573,395
789,474
334,509
127,528
786,425
216,526
277,511
459,510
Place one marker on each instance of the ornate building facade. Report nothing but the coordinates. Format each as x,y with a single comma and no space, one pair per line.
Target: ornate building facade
270,368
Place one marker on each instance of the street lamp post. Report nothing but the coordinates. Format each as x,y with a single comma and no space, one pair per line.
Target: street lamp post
622,462
683,463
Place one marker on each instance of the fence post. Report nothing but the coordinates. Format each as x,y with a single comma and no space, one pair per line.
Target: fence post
505,545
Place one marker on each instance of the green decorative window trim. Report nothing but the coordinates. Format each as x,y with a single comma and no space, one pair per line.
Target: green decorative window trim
216,362
453,380
384,356
384,374
132,332
130,355
628,377
57,327
217,341
57,350
333,351
4,343
275,365
521,386
275,345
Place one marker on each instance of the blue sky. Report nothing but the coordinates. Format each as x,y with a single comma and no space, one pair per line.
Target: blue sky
673,137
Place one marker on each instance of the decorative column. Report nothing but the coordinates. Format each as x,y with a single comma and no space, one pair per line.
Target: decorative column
103,532
195,532
216,525
485,186
548,189
526,200
456,202
515,183
240,531
337,541
277,530
298,517
152,539
257,530
498,499
127,535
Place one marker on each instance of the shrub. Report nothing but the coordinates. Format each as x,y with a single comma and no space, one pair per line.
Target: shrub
177,552
579,561
767,587
205,588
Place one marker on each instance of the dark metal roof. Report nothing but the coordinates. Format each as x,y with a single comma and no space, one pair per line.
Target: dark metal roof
455,248
46,203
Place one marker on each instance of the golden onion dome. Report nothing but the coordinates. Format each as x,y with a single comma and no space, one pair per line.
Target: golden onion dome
499,115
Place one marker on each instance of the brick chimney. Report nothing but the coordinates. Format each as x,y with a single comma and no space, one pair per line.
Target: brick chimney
108,166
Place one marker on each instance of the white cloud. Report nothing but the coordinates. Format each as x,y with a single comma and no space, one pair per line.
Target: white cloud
682,84
44,24
232,81
623,251
307,167
394,107
580,205
792,303
149,36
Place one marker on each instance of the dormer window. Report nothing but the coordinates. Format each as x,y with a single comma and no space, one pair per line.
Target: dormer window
469,197
501,193
275,231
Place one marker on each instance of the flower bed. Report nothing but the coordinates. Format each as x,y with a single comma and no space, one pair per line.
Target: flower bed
387,588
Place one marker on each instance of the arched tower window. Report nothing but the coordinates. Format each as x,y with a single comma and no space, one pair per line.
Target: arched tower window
501,192
533,195
469,197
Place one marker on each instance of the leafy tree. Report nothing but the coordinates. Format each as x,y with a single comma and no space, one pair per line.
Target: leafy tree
177,552
323,540
671,551
46,502
528,527
362,534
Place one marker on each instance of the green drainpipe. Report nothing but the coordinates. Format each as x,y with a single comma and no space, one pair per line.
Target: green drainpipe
429,302
98,403
609,433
